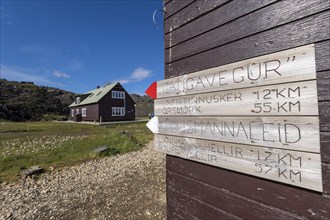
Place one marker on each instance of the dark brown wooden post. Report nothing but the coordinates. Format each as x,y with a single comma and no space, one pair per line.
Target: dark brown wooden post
204,34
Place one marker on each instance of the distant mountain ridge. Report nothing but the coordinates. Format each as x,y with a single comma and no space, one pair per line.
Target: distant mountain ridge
25,101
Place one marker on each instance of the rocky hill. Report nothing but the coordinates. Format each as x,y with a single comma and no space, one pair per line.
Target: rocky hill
24,101
144,105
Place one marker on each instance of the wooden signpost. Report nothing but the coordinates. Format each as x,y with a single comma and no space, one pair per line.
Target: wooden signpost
292,167
282,67
258,116
281,132
284,99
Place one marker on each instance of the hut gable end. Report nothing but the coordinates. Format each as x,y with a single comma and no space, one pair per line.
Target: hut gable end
108,103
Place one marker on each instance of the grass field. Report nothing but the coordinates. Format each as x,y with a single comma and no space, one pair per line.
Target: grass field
53,144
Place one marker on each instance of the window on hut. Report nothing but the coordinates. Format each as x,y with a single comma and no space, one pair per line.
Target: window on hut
78,100
118,111
83,112
118,95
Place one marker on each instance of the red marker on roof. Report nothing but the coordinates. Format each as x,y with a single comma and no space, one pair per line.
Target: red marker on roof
152,90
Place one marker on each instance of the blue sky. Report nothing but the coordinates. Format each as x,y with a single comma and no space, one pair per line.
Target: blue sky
79,44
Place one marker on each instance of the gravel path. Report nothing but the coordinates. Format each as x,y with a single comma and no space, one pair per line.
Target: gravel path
129,186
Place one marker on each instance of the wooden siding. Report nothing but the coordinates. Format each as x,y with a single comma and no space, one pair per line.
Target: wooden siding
92,112
104,108
201,35
107,102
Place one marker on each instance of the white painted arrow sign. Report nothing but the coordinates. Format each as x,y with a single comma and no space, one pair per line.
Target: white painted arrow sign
153,125
257,116
294,133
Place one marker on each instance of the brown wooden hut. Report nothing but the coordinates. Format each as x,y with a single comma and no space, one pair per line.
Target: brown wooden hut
200,35
108,103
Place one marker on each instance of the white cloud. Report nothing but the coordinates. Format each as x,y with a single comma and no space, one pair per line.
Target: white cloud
122,81
140,74
137,75
20,74
59,74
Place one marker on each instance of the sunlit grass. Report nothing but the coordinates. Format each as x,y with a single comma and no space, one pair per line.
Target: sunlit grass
51,144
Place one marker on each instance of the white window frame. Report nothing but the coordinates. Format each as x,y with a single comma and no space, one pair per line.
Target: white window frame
118,95
72,112
78,100
118,111
84,112
77,111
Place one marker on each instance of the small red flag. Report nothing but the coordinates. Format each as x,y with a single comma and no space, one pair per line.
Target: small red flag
152,90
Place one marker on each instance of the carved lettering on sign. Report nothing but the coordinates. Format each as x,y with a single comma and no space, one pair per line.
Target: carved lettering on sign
292,167
286,66
258,116
284,99
292,133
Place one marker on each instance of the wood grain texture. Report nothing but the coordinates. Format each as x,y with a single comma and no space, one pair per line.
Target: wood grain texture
322,53
277,14
226,200
220,16
326,178
325,146
291,65
324,112
197,209
292,35
290,167
313,27
300,202
189,13
165,2
299,98
177,213
176,5
323,85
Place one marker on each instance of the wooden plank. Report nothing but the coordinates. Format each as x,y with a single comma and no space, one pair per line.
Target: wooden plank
298,201
226,200
285,66
323,85
174,6
165,2
325,146
277,14
189,13
173,212
220,16
324,111
308,30
322,52
290,133
197,209
284,99
326,178
291,167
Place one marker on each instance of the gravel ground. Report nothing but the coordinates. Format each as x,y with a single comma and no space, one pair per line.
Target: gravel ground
128,186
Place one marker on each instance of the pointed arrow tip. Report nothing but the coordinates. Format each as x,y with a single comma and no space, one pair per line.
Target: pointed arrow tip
153,125
152,90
